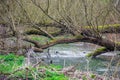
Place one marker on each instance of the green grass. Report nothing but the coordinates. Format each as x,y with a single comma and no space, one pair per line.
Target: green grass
54,76
41,39
13,66
10,62
58,67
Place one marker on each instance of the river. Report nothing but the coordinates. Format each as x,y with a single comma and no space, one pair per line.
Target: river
74,53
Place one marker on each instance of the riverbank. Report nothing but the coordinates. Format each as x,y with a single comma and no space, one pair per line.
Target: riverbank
15,67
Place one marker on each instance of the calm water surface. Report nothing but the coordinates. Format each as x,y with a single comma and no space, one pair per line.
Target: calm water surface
74,53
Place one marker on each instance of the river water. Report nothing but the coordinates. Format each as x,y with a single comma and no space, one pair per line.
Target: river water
74,53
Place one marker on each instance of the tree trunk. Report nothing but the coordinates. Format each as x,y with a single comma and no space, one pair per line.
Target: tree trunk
107,44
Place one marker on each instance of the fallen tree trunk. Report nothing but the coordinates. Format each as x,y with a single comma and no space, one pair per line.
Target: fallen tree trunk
102,29
108,44
37,32
113,28
36,43
97,52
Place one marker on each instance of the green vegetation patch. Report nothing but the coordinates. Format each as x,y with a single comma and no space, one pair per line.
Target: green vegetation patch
10,62
54,76
102,27
40,39
14,67
99,50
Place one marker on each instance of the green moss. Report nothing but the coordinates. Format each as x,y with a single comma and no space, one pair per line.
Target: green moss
64,37
30,31
3,22
41,39
96,52
101,27
108,26
89,55
52,41
117,43
79,36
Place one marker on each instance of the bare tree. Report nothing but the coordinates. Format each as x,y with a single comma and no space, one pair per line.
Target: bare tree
81,19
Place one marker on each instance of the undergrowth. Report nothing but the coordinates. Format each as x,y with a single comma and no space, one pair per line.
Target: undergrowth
9,62
14,68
